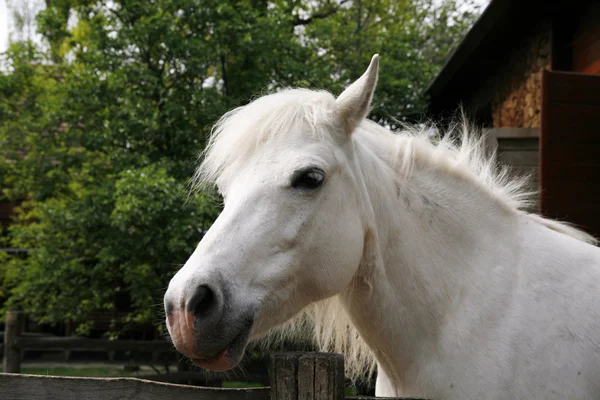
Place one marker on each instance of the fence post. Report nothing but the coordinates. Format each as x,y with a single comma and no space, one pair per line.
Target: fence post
12,331
307,376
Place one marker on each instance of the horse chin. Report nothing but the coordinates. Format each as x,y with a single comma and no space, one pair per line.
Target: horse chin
218,350
230,356
227,359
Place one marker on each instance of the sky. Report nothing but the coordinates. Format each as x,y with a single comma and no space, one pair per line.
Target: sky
4,22
3,25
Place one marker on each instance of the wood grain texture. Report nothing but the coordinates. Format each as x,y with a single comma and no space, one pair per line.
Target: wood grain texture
521,155
306,379
512,132
72,343
570,149
519,158
284,375
36,387
11,360
321,377
516,86
209,378
307,376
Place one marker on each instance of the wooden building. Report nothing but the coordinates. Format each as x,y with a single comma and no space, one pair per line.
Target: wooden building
529,72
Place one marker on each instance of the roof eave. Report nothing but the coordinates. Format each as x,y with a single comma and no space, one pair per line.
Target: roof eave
482,27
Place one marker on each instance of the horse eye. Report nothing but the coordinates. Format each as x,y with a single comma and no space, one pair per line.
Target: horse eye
308,179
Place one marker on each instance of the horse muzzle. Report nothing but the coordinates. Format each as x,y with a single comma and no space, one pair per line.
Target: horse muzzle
205,328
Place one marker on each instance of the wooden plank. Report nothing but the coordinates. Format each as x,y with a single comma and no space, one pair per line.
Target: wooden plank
307,376
573,191
575,150
569,170
520,158
321,377
506,144
284,376
73,343
38,387
511,133
328,377
570,149
577,214
574,122
11,360
571,87
306,379
545,150
208,378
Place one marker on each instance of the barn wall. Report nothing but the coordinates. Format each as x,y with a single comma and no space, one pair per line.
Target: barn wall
570,149
522,155
509,94
518,148
517,100
586,42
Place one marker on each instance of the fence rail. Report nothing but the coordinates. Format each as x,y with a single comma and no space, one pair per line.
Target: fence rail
293,376
75,343
15,341
34,387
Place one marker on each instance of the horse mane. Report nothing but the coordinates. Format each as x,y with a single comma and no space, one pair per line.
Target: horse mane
460,150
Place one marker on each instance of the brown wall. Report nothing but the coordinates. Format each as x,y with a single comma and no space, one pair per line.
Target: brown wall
586,42
517,102
513,93
518,148
570,149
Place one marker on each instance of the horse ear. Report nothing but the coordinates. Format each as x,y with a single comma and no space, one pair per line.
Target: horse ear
354,102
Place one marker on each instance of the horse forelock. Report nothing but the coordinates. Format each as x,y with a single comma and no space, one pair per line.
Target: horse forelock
278,116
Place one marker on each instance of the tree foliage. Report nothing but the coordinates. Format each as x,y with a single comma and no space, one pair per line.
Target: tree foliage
100,127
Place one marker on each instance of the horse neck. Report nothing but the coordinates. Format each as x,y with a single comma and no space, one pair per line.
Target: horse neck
430,239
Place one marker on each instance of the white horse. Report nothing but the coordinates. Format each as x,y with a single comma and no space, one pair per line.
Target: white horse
413,254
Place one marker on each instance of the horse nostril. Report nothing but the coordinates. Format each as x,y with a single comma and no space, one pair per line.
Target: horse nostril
202,302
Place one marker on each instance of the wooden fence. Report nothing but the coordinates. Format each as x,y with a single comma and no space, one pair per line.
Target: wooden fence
15,342
293,376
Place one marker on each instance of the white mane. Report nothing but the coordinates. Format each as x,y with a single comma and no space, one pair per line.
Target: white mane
460,152
273,117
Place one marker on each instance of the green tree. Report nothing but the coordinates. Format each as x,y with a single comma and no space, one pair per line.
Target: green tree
100,129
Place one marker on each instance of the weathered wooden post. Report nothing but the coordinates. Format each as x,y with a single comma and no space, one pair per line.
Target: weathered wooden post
12,331
307,376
